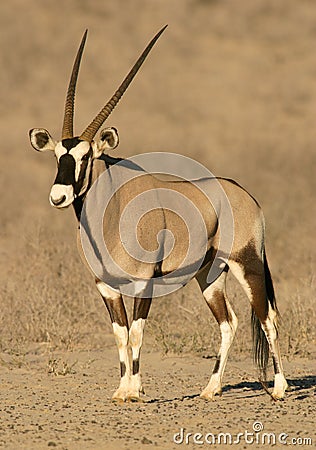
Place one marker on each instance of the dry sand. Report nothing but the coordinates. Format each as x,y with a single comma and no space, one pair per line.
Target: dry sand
74,411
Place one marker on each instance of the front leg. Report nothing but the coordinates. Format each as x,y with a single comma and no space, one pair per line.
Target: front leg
115,305
140,313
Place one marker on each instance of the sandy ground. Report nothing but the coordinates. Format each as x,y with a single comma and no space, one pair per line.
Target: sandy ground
74,411
231,84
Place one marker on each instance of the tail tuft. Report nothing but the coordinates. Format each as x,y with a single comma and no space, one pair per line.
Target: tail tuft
260,346
269,285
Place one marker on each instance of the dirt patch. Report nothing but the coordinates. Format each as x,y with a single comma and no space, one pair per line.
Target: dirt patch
70,407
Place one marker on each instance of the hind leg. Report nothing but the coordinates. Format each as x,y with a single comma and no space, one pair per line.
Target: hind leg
215,296
251,272
271,332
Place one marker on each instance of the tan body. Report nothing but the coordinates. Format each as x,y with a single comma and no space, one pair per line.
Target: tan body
248,220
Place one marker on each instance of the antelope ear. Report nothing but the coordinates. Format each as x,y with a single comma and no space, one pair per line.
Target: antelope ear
41,140
109,140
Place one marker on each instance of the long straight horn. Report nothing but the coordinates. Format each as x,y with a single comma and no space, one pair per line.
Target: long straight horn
94,126
70,99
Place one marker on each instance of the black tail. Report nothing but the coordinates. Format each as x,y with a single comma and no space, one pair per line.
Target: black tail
260,343
260,346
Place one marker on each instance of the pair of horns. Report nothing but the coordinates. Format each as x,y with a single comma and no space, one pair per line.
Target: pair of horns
100,118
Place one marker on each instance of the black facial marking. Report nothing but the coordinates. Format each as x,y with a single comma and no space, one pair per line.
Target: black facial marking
82,173
66,170
135,366
71,143
41,139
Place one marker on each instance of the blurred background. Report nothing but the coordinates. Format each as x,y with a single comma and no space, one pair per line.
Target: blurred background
230,84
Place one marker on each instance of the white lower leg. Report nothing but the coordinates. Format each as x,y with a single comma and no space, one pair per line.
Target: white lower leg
121,338
215,296
135,340
269,327
228,331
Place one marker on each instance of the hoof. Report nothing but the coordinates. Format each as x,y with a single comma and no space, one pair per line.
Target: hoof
122,397
210,395
117,400
280,386
129,391
277,396
134,399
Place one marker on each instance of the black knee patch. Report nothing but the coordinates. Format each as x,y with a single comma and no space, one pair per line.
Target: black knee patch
123,368
135,366
217,363
276,367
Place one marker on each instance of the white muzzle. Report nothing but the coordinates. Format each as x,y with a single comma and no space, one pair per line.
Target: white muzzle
61,195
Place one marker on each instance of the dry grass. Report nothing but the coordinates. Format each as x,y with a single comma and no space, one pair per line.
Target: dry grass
59,367
51,308
67,315
298,321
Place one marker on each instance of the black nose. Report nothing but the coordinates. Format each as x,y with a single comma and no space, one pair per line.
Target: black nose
59,201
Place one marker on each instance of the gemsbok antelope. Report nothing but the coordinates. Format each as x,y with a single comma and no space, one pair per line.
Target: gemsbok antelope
83,165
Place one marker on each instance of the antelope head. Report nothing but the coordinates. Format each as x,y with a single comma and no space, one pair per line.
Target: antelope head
74,154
